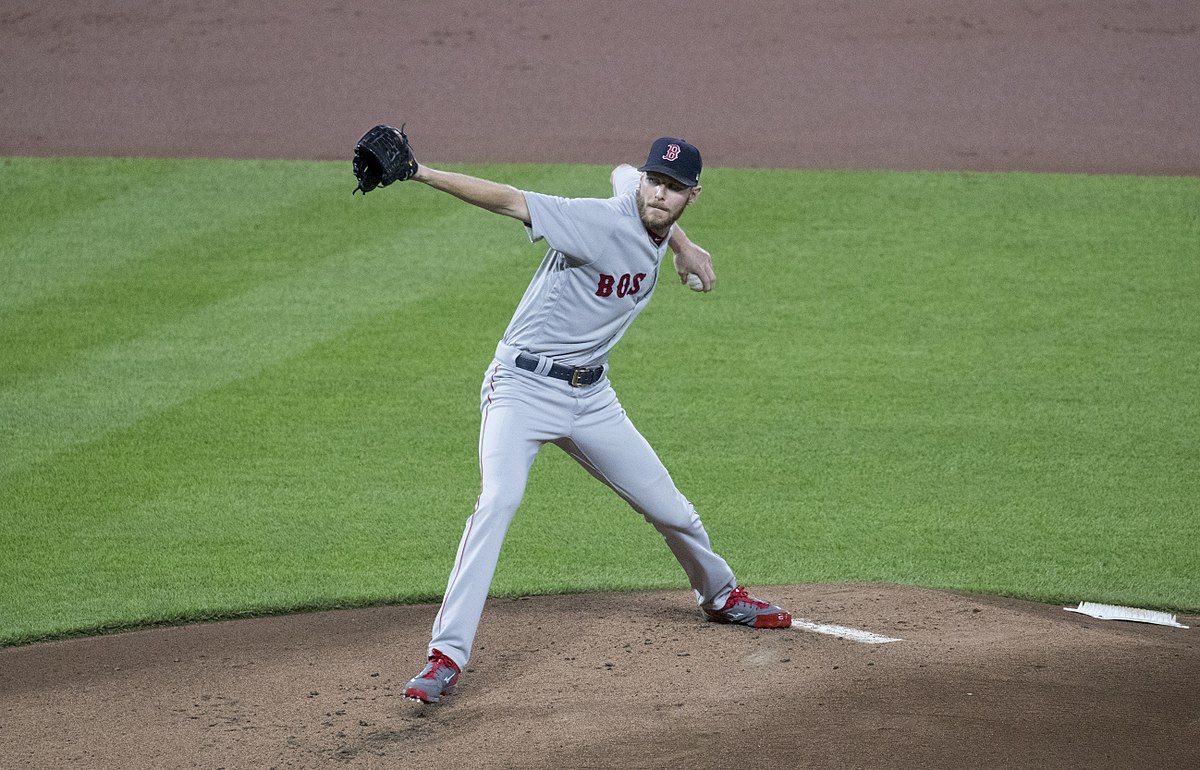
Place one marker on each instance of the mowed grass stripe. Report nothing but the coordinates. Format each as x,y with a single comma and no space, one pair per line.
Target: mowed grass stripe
57,239
175,276
95,295
260,293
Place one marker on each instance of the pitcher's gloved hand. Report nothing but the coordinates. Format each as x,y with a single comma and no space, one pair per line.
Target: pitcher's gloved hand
382,156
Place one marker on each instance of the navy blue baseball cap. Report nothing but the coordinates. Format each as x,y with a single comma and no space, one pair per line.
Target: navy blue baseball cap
675,158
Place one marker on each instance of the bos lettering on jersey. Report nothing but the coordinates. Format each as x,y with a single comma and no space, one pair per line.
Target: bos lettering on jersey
626,284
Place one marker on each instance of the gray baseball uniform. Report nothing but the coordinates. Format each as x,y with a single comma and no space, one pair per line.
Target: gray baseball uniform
599,272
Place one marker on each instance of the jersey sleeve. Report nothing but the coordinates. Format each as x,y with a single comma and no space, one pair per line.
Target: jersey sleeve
625,179
581,228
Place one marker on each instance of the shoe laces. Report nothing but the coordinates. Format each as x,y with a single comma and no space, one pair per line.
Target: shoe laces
741,595
439,660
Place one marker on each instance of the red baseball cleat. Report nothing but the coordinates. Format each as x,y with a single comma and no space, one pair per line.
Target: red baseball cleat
439,674
746,610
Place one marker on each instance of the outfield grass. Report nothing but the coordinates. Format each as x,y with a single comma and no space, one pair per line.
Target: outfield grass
228,387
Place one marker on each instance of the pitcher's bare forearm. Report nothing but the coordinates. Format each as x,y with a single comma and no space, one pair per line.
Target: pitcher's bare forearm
497,198
691,257
679,241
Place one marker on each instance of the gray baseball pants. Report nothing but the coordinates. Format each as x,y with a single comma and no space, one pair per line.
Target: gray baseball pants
521,411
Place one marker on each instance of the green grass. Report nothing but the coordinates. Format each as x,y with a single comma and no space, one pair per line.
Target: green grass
228,387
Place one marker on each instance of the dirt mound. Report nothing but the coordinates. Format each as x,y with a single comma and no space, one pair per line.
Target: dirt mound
621,680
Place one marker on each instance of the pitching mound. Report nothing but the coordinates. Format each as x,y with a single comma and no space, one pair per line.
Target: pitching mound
622,680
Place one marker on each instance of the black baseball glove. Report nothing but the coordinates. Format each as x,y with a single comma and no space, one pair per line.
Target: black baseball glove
382,156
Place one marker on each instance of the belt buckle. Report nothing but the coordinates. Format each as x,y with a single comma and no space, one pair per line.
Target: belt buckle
575,383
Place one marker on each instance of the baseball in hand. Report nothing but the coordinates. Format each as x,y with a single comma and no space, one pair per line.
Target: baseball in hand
694,283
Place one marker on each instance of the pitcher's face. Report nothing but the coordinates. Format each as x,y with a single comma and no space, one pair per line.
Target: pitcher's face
661,200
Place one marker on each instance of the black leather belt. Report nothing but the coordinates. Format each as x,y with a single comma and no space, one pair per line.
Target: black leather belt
577,376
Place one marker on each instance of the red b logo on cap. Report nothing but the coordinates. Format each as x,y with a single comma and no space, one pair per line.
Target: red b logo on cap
672,152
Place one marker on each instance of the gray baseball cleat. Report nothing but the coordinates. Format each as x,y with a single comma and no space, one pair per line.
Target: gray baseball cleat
439,674
746,610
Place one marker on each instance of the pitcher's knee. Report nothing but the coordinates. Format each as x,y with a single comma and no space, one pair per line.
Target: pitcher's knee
499,502
674,513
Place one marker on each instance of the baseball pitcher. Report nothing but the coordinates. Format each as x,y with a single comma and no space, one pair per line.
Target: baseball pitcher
548,382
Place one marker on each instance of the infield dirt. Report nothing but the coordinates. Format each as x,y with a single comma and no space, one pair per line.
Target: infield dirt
618,680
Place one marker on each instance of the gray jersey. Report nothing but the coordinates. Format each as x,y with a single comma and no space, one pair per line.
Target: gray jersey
601,269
